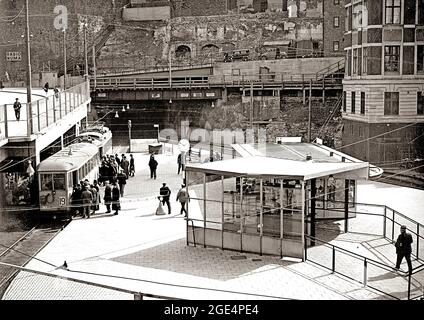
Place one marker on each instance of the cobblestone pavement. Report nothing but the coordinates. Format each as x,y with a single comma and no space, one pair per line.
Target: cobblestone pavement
141,252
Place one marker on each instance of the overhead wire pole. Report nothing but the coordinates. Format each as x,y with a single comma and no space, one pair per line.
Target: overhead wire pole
29,83
64,59
85,52
309,110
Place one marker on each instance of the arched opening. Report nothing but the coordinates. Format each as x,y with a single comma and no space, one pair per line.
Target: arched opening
183,51
210,50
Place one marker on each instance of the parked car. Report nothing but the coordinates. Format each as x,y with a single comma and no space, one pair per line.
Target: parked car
242,54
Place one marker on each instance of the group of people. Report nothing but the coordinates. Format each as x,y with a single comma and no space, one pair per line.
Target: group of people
85,198
113,169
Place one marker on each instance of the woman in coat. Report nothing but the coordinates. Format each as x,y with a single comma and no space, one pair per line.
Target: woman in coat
108,196
115,198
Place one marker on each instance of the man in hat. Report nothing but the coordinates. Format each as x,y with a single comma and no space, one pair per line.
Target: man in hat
403,248
17,107
183,198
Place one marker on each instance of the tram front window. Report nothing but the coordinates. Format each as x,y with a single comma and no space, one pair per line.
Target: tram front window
46,182
59,181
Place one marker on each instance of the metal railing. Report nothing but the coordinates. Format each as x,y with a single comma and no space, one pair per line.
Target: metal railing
44,112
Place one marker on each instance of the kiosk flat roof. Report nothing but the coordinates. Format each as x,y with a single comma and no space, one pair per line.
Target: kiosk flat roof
286,160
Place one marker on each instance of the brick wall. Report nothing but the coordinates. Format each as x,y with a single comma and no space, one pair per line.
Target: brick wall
46,41
331,32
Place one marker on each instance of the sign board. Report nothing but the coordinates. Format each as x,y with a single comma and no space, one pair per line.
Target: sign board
13,55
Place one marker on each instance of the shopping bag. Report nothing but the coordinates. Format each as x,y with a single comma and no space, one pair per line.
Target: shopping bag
159,210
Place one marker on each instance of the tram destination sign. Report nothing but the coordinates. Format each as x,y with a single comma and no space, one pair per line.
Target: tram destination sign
13,55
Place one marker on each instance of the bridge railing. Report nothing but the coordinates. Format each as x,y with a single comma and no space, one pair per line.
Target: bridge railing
44,112
134,83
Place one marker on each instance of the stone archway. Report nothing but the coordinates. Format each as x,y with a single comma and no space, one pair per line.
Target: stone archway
183,52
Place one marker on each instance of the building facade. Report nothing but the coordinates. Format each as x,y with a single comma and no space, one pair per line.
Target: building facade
383,107
333,33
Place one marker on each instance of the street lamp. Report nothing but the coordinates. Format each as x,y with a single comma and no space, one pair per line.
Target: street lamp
116,114
157,126
129,135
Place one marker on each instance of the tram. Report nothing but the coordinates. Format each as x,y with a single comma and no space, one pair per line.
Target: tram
100,136
58,174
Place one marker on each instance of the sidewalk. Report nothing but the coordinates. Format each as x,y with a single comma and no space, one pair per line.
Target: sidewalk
140,251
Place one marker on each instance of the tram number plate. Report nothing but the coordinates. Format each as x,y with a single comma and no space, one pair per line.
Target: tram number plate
62,201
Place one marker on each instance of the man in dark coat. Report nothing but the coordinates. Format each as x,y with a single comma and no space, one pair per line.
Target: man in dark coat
403,248
132,166
17,107
179,162
115,198
108,196
125,165
76,200
153,164
165,192
122,181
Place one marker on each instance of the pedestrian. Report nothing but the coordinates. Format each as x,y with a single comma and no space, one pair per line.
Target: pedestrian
87,200
56,92
17,107
116,205
165,192
46,87
153,164
403,248
180,165
132,166
108,196
183,198
76,200
95,203
122,181
125,165
118,161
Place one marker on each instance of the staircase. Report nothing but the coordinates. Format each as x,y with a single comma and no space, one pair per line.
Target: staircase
334,71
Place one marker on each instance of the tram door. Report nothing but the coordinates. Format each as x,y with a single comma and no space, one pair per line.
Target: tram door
74,178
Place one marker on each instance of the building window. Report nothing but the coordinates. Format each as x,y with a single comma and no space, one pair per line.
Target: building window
344,100
348,19
335,46
420,58
391,103
355,61
357,16
365,60
391,58
421,12
392,11
362,102
420,103
336,22
353,102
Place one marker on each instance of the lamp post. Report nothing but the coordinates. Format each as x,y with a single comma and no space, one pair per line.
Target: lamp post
64,60
157,126
129,135
28,56
85,51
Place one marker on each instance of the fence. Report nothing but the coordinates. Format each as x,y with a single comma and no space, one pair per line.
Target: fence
44,112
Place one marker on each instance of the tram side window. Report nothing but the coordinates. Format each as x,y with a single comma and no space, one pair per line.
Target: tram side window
59,181
46,182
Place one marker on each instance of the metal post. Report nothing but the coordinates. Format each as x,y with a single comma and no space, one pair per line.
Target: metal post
38,115
251,107
333,264
309,111
129,136
303,217
241,213
261,215
204,210
94,67
6,125
313,211
64,60
29,80
85,52
418,240
282,217
222,212
393,225
365,272
384,222
346,205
